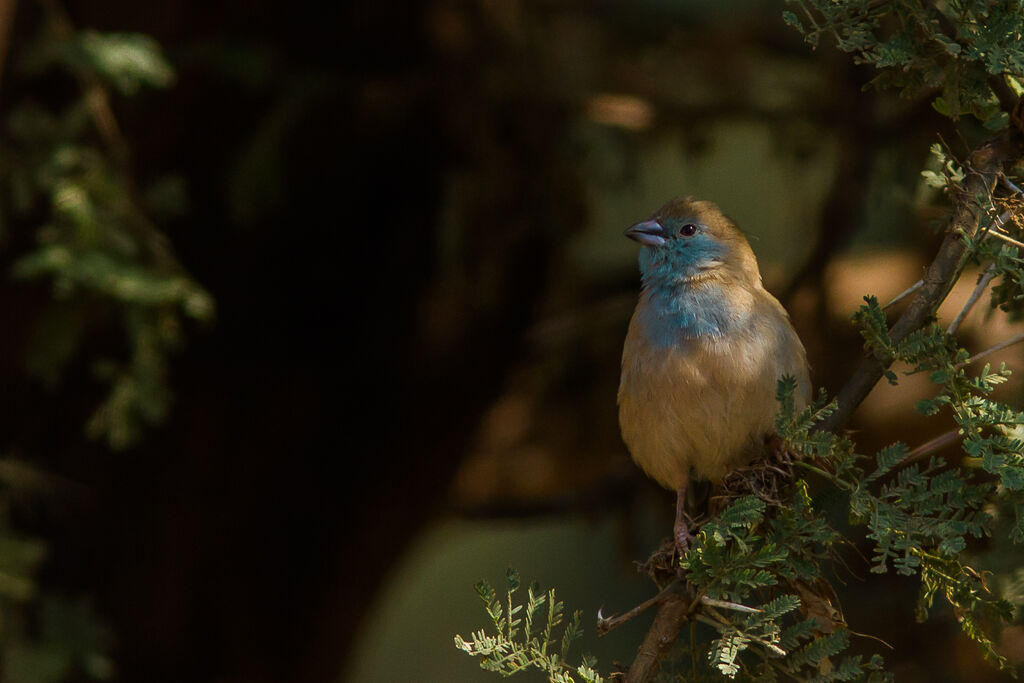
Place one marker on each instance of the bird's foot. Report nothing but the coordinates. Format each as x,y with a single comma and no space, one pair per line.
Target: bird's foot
682,537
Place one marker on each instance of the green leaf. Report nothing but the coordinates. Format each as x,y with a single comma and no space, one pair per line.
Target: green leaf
128,60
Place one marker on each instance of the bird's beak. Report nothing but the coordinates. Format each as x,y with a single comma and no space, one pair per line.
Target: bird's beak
648,233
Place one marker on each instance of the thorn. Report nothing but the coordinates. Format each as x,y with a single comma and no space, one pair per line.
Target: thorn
724,604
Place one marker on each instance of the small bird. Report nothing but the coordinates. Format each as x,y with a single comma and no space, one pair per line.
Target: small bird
705,349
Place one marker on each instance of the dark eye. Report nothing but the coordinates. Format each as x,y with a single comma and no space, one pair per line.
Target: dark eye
688,230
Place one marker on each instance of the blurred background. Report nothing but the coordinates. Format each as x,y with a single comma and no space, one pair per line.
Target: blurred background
312,315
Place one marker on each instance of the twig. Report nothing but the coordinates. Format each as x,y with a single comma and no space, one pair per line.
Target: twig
1006,238
817,470
870,637
984,162
1016,339
1009,184
905,293
659,639
717,625
983,280
929,447
604,625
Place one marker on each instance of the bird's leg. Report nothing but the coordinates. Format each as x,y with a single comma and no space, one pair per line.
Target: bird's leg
682,535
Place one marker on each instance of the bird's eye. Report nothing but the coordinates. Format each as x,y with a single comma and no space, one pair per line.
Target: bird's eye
688,230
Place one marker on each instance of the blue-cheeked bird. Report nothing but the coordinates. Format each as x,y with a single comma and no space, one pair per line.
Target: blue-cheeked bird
704,352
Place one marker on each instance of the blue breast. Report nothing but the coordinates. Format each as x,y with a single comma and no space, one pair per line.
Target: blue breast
669,315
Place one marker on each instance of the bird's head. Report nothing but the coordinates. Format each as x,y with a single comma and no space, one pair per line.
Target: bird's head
690,242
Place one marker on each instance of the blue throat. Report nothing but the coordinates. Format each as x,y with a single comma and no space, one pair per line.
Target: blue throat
675,309
681,312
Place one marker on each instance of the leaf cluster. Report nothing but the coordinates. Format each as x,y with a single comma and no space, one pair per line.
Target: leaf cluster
525,636
743,561
955,48
97,242
919,519
742,551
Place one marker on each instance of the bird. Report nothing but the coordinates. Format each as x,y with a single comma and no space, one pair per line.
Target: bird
705,348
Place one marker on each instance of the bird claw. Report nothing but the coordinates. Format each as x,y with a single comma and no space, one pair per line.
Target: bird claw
682,537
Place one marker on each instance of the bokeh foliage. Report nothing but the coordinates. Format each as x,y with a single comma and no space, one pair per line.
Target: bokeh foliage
98,252
98,244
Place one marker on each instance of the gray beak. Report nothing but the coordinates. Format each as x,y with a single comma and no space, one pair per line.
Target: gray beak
648,233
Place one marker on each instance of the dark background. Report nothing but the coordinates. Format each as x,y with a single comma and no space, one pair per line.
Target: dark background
409,215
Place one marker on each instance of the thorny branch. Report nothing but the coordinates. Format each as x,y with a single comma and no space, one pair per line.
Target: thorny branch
606,624
982,172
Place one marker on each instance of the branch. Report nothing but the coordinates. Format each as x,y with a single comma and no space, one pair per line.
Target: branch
660,638
982,167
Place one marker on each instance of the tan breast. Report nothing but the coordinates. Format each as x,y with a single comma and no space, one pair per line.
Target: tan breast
707,404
